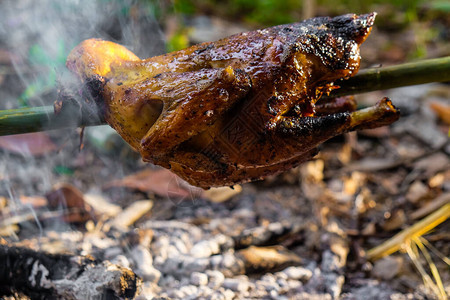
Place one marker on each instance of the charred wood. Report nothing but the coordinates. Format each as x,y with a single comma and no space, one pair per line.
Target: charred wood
42,275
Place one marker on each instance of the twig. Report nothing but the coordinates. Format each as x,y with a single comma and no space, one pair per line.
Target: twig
420,228
23,120
430,207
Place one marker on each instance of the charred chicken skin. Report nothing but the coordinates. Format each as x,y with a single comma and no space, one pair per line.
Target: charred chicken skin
234,110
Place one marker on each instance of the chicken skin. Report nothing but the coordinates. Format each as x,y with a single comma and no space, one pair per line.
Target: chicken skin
234,110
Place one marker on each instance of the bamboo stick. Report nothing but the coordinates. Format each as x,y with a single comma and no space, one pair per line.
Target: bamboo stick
23,120
368,80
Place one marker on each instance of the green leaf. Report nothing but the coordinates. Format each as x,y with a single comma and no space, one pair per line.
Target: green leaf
443,6
178,41
63,170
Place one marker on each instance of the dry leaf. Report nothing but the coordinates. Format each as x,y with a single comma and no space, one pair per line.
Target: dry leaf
437,180
35,144
131,214
164,183
34,201
101,205
373,165
71,199
417,191
161,182
267,259
388,267
222,194
369,229
7,57
9,230
3,203
430,207
433,164
65,194
396,221
442,111
379,132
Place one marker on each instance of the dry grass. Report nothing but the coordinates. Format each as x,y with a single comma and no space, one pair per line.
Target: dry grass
412,242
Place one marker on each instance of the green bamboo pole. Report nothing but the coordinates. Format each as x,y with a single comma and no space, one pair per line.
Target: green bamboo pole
33,119
23,120
368,80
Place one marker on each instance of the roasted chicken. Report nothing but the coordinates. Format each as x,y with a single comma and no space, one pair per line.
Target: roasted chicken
234,110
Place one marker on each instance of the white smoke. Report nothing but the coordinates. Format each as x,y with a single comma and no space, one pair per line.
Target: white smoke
39,34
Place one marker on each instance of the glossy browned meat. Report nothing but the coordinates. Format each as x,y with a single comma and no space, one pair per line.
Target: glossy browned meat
237,109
